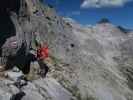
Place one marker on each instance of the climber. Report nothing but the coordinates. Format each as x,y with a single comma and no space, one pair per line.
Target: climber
42,55
22,60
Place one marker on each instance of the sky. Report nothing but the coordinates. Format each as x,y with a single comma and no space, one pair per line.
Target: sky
89,12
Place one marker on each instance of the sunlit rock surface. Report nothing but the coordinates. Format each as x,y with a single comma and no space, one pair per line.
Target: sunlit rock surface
90,62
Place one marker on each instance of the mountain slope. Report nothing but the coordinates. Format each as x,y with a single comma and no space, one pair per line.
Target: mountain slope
89,63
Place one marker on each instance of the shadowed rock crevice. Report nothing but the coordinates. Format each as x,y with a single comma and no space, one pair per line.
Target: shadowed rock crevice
7,28
9,5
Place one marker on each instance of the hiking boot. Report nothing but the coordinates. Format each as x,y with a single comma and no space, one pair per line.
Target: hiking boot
43,72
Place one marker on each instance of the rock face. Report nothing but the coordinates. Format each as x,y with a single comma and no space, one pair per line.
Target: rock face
89,63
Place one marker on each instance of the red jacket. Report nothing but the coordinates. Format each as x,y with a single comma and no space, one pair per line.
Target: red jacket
43,53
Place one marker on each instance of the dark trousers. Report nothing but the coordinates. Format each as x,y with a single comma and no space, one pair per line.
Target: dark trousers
23,63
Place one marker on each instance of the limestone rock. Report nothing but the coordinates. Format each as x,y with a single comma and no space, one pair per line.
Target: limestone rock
89,63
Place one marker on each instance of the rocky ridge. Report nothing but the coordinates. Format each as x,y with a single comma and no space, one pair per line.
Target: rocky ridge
89,63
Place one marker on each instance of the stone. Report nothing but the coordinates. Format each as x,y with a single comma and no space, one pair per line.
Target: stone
15,69
53,89
32,95
4,96
14,75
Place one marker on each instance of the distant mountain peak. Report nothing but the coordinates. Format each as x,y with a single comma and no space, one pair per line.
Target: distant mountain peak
104,20
124,30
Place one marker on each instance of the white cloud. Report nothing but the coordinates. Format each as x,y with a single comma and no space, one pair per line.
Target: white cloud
103,3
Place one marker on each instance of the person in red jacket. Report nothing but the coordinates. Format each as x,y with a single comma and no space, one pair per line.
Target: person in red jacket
42,55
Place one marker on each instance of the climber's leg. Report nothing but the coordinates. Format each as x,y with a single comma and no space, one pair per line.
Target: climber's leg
28,69
44,68
25,66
